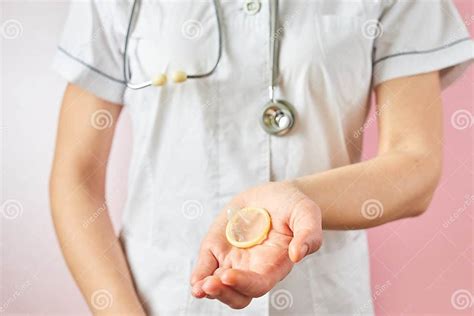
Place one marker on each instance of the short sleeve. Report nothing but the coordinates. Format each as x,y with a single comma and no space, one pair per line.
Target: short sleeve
421,36
89,53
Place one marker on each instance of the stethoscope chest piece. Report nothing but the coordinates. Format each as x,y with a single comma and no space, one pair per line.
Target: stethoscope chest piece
277,117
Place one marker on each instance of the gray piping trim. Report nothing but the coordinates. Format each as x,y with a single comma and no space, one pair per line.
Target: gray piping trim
417,52
65,52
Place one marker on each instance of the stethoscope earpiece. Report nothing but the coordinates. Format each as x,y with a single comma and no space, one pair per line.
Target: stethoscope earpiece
177,77
159,80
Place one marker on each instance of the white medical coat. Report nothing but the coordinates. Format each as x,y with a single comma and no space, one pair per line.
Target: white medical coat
197,144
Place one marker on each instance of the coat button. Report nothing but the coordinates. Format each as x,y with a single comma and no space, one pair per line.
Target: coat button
251,7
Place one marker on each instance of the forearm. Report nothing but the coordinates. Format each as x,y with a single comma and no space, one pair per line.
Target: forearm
391,186
91,248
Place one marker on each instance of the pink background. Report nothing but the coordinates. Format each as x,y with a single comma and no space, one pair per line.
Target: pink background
418,265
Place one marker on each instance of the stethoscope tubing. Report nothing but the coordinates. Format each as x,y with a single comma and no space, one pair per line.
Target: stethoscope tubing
278,115
274,48
126,66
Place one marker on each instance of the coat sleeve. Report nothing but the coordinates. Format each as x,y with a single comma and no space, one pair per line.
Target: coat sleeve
415,37
90,52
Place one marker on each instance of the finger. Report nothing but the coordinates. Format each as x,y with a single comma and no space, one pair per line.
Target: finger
305,223
197,290
205,266
248,283
214,288
219,271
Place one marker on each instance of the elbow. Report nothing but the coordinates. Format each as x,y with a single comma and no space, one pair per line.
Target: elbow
427,176
70,182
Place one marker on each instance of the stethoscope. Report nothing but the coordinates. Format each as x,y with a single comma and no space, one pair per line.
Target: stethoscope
278,116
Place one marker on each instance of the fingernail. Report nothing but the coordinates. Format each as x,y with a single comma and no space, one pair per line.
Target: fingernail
304,250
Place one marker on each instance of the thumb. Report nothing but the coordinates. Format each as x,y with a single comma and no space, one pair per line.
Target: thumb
305,223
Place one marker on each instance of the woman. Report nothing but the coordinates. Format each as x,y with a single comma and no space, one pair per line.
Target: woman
200,149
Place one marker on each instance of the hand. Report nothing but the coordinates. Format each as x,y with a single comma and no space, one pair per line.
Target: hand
235,276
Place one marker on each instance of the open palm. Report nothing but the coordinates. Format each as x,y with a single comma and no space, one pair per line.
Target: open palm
234,275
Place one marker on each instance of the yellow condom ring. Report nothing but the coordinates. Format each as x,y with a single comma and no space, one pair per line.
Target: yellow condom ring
248,227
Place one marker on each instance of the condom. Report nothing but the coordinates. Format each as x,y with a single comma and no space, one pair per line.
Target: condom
247,227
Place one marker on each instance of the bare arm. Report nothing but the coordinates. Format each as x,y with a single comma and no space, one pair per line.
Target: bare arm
77,188
401,179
